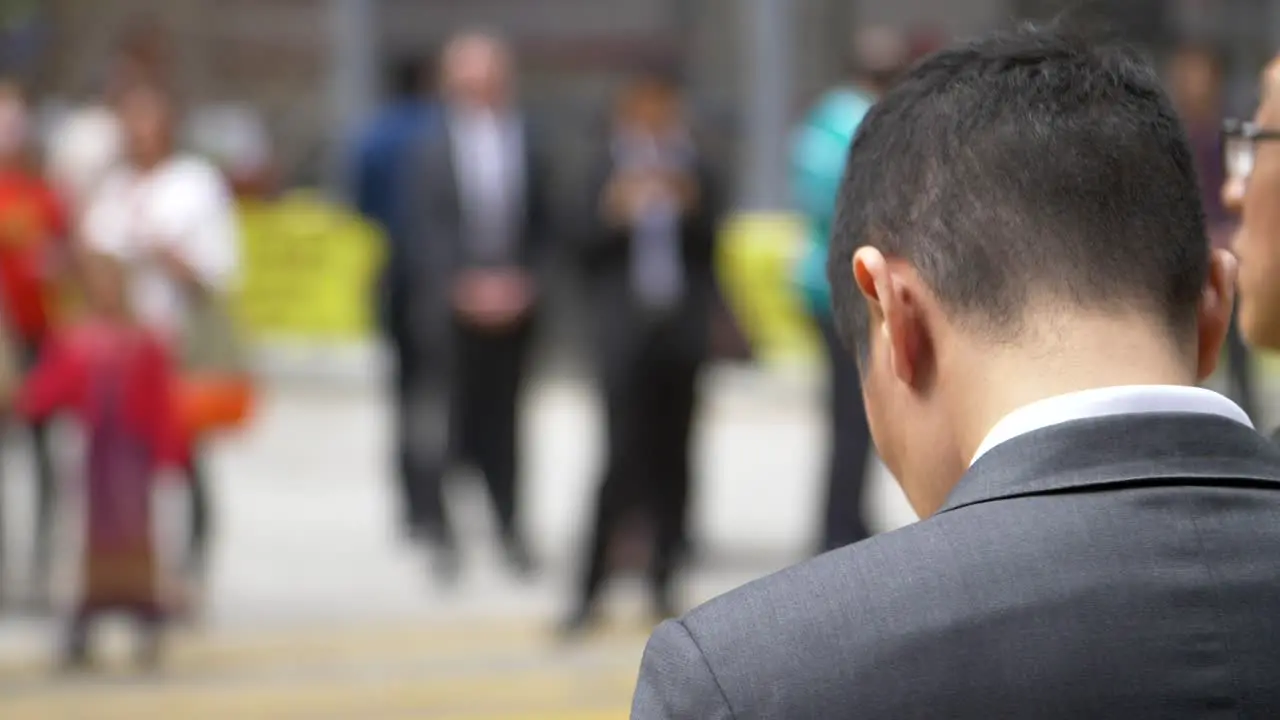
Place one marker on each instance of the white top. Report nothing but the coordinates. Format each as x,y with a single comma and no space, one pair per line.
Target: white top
83,148
1104,402
183,205
488,158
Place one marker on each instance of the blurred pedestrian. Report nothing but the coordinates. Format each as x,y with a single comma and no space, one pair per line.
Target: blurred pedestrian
84,146
1196,85
818,159
115,375
33,234
478,230
1252,191
381,191
648,256
170,218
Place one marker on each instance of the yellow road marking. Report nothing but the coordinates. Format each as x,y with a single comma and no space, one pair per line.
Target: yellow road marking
352,647
463,671
539,691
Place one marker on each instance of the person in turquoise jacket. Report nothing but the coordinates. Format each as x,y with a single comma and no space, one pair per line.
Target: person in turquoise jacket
821,145
820,150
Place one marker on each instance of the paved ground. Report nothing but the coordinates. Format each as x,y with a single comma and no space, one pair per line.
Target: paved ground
317,610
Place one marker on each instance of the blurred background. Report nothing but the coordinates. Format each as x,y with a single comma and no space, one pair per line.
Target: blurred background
312,598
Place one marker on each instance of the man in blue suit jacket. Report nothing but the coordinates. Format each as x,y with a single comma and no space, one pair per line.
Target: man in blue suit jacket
379,182
378,169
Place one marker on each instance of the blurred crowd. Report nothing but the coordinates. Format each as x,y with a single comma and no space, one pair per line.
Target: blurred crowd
118,249
455,174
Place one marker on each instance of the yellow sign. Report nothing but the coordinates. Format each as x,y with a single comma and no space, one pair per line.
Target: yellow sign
309,269
758,255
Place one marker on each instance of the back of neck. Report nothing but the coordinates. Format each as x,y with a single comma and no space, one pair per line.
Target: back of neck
1082,355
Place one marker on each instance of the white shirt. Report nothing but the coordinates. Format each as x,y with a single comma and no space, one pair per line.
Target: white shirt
488,157
1104,402
83,149
183,205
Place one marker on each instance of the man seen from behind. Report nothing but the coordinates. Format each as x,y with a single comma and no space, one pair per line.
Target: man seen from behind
1020,264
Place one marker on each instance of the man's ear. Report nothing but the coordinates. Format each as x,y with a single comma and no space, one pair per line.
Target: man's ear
1214,314
893,312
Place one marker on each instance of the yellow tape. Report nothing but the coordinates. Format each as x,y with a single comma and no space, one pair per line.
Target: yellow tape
758,255
309,269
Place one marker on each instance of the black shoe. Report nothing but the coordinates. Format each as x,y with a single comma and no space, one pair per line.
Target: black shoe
446,565
75,659
519,559
150,652
580,623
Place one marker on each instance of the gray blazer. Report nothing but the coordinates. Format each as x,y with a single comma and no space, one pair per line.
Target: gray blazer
1123,567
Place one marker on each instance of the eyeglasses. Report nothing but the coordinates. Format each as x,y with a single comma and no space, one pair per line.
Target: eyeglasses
1240,147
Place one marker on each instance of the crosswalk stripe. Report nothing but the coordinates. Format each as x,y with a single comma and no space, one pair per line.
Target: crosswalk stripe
544,691
465,671
454,643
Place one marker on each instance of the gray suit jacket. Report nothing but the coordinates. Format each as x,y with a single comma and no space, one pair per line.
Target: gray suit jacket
436,236
1123,567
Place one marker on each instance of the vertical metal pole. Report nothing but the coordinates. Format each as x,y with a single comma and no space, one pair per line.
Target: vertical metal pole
768,59
353,75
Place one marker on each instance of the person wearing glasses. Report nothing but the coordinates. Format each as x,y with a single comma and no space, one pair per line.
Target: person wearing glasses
1252,192
1196,85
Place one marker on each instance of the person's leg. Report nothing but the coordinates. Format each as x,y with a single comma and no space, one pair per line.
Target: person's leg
669,428
3,557
1240,367
427,420
845,523
149,620
595,552
200,522
402,387
46,489
46,502
496,396
75,650
614,497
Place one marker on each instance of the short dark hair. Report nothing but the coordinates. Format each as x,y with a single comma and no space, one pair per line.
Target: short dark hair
1031,163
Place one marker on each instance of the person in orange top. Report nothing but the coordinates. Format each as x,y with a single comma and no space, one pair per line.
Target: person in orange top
32,227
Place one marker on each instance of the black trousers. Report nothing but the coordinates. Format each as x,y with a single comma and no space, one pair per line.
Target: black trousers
405,390
650,388
46,488
463,409
844,521
489,373
199,514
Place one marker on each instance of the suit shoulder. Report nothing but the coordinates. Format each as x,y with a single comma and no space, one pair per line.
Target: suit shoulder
838,571
802,622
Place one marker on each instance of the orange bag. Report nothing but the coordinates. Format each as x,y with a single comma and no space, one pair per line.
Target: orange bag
211,402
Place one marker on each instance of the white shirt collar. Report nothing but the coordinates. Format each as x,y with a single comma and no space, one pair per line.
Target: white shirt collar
1103,402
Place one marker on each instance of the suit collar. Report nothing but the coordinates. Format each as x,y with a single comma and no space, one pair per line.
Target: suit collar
1117,450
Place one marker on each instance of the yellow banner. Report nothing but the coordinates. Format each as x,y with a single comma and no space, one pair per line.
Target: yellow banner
308,270
758,256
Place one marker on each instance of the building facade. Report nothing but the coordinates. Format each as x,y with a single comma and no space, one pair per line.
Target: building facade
280,57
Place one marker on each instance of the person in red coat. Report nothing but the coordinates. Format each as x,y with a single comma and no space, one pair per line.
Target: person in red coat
115,376
33,247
